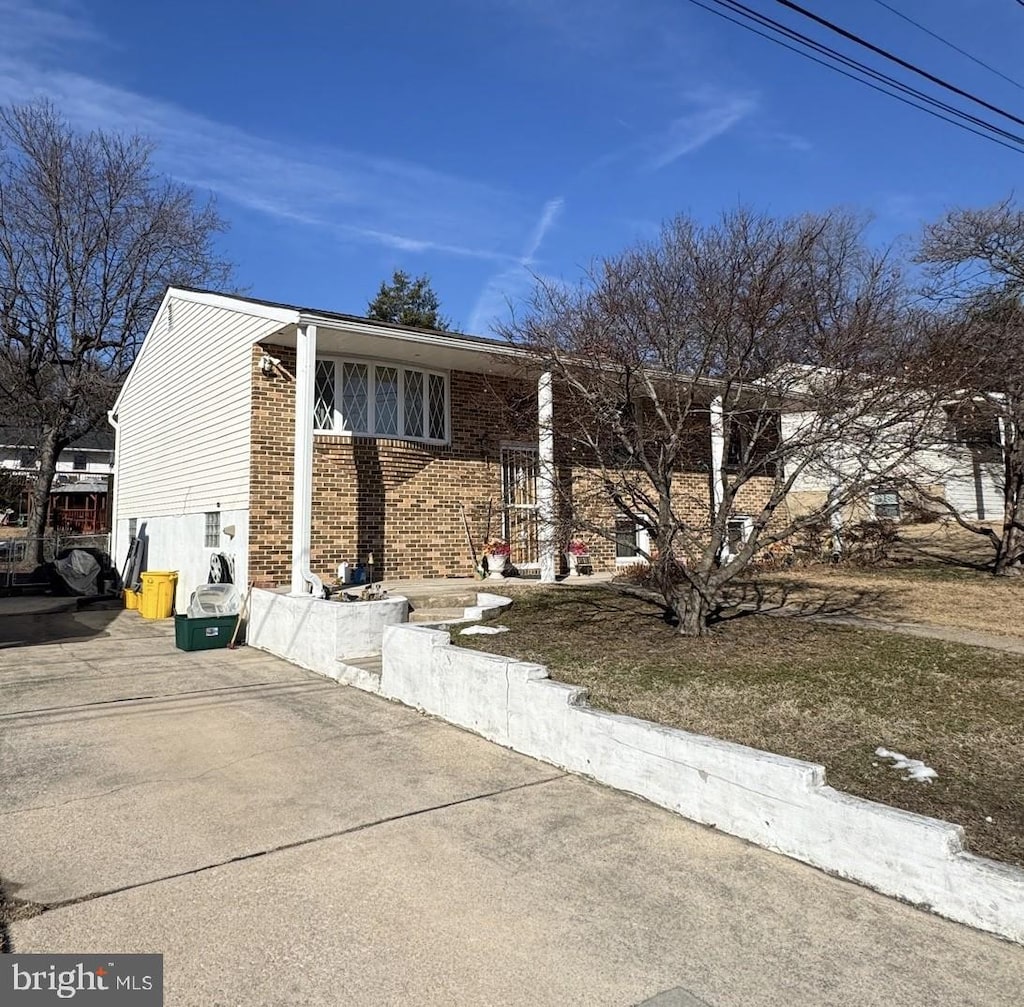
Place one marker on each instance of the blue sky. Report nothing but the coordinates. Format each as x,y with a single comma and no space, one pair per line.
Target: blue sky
487,141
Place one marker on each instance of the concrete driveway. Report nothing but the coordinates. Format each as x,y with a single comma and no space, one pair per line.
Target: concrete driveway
284,840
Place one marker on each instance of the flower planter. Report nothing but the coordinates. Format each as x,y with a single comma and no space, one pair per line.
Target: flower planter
496,566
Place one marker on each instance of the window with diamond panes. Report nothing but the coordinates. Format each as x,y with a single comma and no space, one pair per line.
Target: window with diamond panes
385,400
323,398
355,398
413,422
436,408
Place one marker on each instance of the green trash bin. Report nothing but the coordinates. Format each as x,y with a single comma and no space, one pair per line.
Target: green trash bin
208,633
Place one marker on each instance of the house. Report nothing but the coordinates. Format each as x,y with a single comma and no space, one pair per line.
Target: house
80,492
957,460
277,442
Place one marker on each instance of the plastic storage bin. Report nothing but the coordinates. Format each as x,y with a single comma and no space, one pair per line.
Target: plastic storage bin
203,634
158,594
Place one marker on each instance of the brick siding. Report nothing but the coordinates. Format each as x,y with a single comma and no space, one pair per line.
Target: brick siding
402,501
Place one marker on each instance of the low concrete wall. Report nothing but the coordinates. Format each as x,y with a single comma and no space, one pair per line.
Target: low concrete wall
316,634
779,803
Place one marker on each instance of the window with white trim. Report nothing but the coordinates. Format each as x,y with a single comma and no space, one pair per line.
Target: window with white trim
738,531
630,540
886,501
380,399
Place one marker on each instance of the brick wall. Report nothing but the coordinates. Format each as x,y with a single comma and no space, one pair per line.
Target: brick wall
403,502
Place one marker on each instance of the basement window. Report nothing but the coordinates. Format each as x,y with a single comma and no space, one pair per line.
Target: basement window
630,540
738,531
381,400
212,538
886,503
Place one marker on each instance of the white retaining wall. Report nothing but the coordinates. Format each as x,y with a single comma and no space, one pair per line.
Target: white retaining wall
779,803
316,634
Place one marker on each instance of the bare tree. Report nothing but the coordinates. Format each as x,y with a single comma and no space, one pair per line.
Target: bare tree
712,334
975,263
90,236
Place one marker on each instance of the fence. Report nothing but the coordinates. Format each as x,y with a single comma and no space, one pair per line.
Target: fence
19,569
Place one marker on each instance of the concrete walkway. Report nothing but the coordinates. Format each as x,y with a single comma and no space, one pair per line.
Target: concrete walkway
284,840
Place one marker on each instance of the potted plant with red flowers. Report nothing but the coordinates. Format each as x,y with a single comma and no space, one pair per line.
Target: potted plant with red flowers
496,552
577,556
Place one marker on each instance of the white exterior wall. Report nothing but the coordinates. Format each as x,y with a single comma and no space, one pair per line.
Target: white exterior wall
177,543
966,488
183,435
950,466
97,462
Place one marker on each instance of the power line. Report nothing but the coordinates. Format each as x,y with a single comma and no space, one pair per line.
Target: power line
885,83
900,62
878,75
951,45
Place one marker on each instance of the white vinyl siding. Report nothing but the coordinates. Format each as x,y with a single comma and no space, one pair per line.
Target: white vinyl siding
184,416
380,400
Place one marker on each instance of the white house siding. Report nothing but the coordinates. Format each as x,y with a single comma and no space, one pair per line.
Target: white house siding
948,466
183,429
97,462
974,489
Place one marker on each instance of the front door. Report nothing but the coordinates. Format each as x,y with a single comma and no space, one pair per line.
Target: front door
519,467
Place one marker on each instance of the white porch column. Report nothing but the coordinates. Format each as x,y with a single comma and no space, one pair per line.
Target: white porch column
302,488
546,478
717,415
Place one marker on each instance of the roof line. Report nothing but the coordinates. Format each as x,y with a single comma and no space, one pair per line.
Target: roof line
322,314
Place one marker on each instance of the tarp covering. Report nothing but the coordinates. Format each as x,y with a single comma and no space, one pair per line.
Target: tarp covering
79,570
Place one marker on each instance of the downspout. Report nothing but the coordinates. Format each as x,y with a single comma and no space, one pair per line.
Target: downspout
546,481
304,581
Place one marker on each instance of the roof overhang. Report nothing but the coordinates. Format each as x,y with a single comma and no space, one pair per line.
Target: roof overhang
438,350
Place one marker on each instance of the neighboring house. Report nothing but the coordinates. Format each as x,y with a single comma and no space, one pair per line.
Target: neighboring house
402,438
958,460
80,493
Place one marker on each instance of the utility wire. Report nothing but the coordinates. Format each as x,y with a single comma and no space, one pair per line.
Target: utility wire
951,45
878,75
900,62
958,117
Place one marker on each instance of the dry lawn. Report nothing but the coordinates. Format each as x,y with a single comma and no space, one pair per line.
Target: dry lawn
939,576
830,694
940,596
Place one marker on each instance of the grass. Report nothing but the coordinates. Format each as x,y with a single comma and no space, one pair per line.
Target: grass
939,576
948,596
826,693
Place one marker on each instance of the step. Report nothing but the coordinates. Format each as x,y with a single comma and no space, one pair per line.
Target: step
362,672
437,615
